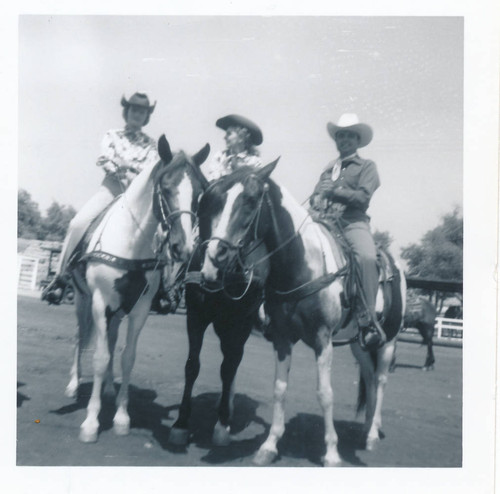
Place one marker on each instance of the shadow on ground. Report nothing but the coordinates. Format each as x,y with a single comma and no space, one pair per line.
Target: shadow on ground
303,437
21,398
144,412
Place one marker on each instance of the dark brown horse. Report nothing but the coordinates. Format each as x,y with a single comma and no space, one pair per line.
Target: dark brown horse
421,314
230,303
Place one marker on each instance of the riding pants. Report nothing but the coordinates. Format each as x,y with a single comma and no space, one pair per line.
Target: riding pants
81,222
360,239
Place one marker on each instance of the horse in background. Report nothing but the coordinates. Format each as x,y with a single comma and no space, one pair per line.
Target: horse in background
303,296
454,312
421,314
118,271
230,303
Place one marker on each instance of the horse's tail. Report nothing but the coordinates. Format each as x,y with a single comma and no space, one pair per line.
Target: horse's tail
362,385
361,395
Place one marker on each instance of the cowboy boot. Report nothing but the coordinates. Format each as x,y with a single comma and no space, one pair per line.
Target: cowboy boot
371,335
53,293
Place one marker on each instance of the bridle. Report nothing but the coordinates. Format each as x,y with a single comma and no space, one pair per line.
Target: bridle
162,210
244,247
295,293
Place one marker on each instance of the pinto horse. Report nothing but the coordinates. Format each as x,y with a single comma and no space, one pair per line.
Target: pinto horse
120,270
303,294
230,303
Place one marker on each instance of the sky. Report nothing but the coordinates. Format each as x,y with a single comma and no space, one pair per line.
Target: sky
290,74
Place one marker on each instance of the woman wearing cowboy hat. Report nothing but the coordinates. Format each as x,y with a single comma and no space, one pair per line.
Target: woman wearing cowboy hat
124,153
242,137
344,190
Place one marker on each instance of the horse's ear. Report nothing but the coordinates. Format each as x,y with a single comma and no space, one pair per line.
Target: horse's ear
265,172
164,149
202,155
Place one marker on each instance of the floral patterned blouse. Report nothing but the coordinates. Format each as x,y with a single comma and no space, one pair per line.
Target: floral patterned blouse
122,147
224,163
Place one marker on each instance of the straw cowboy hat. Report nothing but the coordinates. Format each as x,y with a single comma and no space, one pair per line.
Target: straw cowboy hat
350,121
239,121
138,99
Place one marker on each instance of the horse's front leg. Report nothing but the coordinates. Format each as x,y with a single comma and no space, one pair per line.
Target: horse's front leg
136,321
427,333
89,428
324,357
283,356
109,382
233,337
429,360
196,326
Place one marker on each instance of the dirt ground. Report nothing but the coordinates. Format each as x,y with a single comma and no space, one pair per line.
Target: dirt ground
422,416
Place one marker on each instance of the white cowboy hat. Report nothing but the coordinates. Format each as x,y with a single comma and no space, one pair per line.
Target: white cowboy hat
350,121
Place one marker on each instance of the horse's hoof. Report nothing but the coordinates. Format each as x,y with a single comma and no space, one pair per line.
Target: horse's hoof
334,461
178,437
372,443
221,435
264,457
121,429
428,367
87,436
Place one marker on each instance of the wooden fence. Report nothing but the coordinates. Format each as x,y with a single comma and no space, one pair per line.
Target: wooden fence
444,329
27,271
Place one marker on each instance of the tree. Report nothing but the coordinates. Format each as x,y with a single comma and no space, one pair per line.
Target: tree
384,239
56,221
439,255
31,224
28,216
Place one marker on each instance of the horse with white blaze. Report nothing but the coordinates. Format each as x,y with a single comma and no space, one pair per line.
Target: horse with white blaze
303,296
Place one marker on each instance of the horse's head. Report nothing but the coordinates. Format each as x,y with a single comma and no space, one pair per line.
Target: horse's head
233,214
179,183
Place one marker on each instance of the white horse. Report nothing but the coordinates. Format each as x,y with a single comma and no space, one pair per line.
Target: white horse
303,296
120,271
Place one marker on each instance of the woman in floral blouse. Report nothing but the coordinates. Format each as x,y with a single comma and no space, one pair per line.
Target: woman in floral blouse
124,153
242,138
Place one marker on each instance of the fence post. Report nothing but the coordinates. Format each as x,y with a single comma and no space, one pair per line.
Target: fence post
439,326
34,275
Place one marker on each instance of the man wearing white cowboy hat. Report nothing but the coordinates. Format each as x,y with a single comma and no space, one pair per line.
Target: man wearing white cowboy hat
346,187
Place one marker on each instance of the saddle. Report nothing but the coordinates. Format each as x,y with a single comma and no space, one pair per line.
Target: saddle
78,253
344,258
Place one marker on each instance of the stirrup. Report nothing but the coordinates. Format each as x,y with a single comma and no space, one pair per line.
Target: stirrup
378,337
54,291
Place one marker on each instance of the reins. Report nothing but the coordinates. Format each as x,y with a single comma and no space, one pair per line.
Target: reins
304,290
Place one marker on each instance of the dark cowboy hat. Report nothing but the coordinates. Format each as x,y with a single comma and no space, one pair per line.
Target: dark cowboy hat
350,121
239,121
138,99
